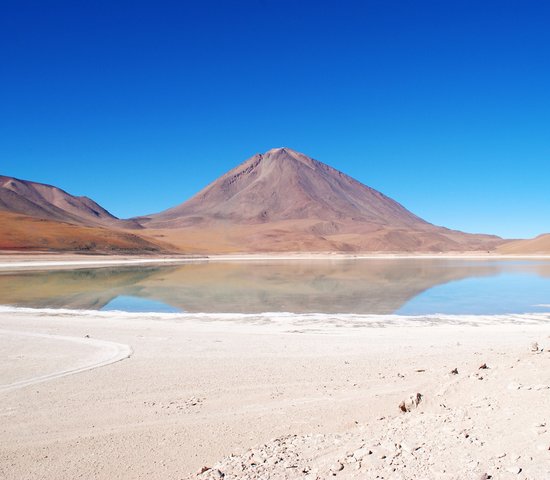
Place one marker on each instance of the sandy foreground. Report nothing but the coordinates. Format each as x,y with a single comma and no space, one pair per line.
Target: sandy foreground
127,396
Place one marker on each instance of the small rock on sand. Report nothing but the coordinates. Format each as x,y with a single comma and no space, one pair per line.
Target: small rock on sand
362,452
514,469
454,371
215,474
409,446
411,403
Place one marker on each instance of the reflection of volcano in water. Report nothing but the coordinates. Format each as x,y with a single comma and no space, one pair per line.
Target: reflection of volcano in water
363,286
329,287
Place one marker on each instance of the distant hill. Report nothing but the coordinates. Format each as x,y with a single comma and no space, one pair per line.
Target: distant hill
51,203
533,246
284,200
36,216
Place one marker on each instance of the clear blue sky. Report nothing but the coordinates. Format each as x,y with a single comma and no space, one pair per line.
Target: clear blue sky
442,105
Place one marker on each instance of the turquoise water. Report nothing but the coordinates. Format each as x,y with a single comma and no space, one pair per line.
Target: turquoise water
503,293
404,286
127,303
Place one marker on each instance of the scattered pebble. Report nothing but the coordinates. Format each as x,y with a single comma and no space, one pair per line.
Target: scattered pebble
406,444
361,453
514,469
411,403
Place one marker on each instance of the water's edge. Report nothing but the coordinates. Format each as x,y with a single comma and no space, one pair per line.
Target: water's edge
297,319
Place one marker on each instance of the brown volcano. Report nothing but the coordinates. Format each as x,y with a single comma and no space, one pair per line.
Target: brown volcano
286,185
284,200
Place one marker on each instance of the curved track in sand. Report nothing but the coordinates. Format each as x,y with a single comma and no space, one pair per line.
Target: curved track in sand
111,352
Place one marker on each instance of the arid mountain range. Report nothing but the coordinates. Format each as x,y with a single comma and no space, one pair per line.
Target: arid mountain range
280,201
52,203
34,216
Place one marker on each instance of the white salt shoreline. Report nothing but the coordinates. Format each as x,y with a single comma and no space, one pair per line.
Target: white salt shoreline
283,321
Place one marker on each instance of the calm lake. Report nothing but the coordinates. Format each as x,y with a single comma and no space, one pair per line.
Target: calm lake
403,286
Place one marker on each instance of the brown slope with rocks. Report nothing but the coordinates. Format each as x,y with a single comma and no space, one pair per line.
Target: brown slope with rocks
51,203
25,233
284,200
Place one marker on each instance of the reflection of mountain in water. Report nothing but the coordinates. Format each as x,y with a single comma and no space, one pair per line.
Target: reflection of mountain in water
373,286
89,289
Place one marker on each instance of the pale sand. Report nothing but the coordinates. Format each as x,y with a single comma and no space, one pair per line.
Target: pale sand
42,261
45,261
199,388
